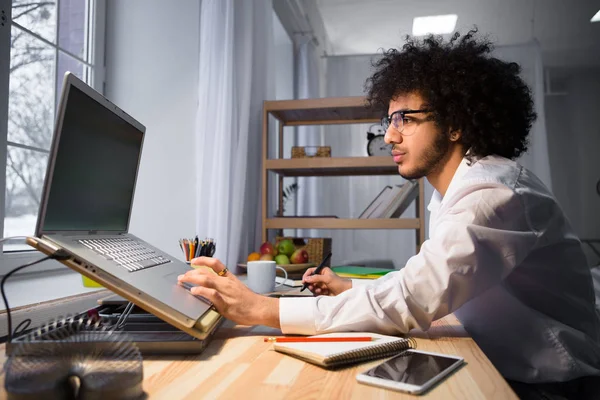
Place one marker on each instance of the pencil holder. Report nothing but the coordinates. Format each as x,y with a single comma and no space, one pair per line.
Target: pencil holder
317,248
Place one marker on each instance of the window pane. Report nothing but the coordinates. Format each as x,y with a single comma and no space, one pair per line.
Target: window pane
31,91
37,16
71,34
67,63
25,171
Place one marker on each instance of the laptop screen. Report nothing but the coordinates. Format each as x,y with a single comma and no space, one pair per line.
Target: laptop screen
94,174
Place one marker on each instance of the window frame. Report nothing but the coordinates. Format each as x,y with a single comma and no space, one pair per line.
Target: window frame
96,35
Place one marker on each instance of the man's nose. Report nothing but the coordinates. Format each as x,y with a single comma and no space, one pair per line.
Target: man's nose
392,136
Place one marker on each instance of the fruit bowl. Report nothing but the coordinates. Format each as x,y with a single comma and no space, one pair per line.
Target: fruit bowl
287,267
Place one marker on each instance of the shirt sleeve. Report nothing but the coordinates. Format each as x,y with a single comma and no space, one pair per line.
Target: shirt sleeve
479,238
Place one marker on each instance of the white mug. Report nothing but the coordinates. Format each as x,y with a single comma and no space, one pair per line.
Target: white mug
261,276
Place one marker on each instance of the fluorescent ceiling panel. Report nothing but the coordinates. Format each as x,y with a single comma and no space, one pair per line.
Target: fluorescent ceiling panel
435,24
596,18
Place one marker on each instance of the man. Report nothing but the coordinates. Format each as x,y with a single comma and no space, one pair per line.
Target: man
501,255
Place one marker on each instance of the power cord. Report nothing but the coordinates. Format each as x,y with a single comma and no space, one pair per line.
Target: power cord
60,254
122,320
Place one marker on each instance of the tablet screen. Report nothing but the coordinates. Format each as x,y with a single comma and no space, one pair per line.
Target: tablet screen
412,367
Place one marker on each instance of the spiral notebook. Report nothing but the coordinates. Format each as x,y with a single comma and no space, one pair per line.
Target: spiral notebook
336,354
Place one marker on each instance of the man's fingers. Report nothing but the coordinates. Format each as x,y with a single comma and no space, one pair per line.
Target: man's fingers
208,293
199,271
308,273
201,279
318,279
210,262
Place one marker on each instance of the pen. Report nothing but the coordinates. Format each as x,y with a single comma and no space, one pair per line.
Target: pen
318,339
317,270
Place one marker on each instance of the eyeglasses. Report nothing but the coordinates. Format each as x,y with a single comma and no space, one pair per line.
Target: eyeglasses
396,119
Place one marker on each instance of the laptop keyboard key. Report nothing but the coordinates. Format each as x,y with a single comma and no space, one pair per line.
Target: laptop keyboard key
125,252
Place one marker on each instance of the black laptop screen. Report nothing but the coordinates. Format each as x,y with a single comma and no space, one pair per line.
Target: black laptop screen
94,174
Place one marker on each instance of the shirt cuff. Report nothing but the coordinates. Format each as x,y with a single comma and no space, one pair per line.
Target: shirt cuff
297,316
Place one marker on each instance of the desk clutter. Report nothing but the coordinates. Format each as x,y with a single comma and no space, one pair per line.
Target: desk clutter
193,248
117,320
43,363
103,347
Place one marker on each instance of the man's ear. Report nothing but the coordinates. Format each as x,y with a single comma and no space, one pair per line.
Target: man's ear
455,135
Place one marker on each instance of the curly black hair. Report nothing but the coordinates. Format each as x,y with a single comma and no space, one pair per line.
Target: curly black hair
467,89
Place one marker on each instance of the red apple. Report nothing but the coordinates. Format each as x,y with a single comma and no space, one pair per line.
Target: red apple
268,248
299,256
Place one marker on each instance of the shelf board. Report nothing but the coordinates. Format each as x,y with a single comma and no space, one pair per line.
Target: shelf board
322,111
333,166
339,223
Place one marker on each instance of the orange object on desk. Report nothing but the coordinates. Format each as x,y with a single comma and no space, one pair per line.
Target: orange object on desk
318,339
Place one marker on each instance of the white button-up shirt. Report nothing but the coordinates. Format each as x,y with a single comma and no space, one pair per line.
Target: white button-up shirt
503,258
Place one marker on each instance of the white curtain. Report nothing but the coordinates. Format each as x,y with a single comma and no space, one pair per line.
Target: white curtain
307,87
234,80
529,57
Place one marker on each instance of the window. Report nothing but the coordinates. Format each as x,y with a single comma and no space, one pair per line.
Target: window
42,40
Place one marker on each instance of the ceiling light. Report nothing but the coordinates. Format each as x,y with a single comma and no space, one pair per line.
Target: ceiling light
435,24
596,18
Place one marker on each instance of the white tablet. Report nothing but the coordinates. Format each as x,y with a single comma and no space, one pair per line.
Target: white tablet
412,371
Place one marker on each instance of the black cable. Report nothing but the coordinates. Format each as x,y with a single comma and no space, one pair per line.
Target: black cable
122,320
21,329
57,255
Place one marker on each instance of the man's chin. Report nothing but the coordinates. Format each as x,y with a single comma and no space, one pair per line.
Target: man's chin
408,173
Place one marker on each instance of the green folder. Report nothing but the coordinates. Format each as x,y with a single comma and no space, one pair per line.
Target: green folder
350,271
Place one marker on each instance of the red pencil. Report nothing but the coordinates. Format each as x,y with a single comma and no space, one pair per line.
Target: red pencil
319,339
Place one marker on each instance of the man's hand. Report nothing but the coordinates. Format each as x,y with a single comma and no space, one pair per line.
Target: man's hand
231,298
327,283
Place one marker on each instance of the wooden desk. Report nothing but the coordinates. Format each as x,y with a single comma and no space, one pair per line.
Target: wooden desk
237,364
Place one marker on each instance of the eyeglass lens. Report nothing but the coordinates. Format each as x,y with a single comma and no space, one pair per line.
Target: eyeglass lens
397,121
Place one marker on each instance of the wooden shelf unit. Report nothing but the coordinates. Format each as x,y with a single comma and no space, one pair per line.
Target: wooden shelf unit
328,111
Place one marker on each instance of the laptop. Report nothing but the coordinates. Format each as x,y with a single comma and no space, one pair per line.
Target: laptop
85,210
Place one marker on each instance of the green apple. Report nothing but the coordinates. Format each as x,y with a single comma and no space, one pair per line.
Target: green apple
286,246
282,259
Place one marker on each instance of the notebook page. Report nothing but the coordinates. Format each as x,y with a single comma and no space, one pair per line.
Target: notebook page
322,350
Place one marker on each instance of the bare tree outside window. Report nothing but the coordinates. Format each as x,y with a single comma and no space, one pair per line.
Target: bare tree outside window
48,38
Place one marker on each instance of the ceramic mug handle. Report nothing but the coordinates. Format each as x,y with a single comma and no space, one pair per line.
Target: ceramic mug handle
284,279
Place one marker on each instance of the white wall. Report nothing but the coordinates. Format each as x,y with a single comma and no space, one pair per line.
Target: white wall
345,76
574,146
151,72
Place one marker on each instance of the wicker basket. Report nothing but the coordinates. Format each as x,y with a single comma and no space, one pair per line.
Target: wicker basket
311,151
317,248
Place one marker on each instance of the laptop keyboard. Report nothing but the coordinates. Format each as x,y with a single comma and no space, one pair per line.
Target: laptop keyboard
126,252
